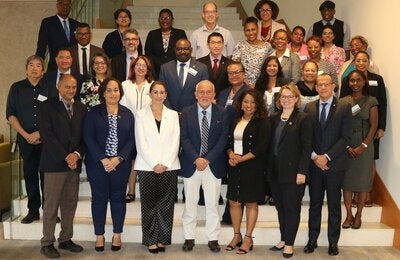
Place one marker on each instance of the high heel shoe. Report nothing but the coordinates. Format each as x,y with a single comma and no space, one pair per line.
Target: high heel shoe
230,247
100,248
161,247
356,226
347,224
153,250
115,247
242,251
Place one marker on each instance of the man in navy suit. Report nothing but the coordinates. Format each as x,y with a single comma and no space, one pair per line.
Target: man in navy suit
56,32
216,62
204,134
181,87
331,135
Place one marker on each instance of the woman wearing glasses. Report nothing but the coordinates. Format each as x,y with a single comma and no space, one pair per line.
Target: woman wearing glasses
266,12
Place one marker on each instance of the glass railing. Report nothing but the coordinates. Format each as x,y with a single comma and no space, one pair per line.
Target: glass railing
16,174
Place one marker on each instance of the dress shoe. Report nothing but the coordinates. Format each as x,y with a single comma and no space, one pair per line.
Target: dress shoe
220,200
214,246
49,251
231,246
115,247
129,198
287,255
348,223
311,245
153,250
243,251
275,248
271,201
100,248
333,249
356,224
71,246
188,245
161,249
30,218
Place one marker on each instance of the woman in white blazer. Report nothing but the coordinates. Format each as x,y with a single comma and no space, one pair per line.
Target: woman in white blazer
157,141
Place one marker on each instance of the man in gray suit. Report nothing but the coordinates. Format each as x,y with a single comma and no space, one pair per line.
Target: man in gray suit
182,75
331,135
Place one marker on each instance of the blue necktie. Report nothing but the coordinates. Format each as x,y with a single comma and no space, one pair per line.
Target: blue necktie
66,29
322,119
181,73
204,134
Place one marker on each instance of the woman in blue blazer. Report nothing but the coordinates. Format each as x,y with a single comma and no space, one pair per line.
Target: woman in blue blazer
110,141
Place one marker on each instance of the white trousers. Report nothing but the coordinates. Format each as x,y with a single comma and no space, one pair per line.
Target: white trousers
212,189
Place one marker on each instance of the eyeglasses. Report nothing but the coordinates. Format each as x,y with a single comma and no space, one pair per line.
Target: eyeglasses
235,73
265,10
140,65
97,63
131,39
167,18
287,97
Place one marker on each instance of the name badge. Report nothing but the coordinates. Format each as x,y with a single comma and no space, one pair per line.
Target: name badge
373,83
41,98
192,72
303,57
276,89
320,72
355,109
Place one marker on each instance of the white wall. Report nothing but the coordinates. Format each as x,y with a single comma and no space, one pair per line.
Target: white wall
376,21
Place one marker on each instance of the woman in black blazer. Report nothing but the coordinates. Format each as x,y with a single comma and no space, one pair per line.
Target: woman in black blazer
247,149
288,165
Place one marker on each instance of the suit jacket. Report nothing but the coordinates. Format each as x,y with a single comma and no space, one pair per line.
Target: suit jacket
191,141
75,58
155,50
178,96
376,88
52,35
230,109
157,146
294,147
291,67
335,136
60,134
118,67
95,132
51,78
221,81
113,45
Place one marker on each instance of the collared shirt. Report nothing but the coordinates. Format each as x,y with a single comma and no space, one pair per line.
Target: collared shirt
346,33
327,106
198,40
208,114
212,58
66,103
80,51
59,75
285,54
128,61
62,21
185,69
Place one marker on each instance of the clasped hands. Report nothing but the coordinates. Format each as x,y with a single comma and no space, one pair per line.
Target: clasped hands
110,164
33,138
201,164
321,162
355,152
160,168
72,159
234,159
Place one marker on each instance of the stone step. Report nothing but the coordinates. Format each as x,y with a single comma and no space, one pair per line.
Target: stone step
265,233
186,24
195,9
266,213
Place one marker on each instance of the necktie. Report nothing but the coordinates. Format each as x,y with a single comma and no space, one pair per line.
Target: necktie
328,23
215,68
84,62
69,110
204,135
322,119
181,73
66,29
131,67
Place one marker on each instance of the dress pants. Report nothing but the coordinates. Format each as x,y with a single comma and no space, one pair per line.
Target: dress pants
31,159
61,190
212,188
288,198
157,197
331,181
109,187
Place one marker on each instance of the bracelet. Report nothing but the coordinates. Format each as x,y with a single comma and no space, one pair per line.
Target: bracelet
364,144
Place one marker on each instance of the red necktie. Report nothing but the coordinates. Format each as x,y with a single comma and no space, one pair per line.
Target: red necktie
131,69
215,68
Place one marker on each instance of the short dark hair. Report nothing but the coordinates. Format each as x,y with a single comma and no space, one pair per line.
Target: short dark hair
166,10
272,4
237,63
261,111
215,34
301,28
362,52
123,10
309,61
284,31
103,87
314,38
250,19
158,82
83,25
362,74
34,57
64,49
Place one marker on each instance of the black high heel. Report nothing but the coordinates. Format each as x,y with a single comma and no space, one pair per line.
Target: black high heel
154,250
100,248
238,244
242,251
114,247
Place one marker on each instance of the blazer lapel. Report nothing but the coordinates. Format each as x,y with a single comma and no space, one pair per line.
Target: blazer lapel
332,111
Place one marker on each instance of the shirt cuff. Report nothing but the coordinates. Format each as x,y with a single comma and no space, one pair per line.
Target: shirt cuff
77,153
313,155
327,157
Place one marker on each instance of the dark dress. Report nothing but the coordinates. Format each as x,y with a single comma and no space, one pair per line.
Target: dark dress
246,180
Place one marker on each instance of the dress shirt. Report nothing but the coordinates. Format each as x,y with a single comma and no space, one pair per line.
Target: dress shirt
285,54
346,33
62,20
87,58
200,114
128,61
185,69
59,75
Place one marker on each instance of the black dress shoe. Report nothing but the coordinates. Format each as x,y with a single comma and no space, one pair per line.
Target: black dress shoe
100,248
30,218
130,197
311,245
49,251
153,250
275,248
214,246
226,223
333,249
114,247
287,255
188,245
71,246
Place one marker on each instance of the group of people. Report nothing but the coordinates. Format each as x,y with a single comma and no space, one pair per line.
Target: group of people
272,113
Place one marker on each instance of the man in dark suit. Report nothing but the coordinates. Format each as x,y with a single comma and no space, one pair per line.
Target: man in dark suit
121,64
83,52
155,47
216,62
64,66
56,32
60,127
204,134
182,75
331,135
